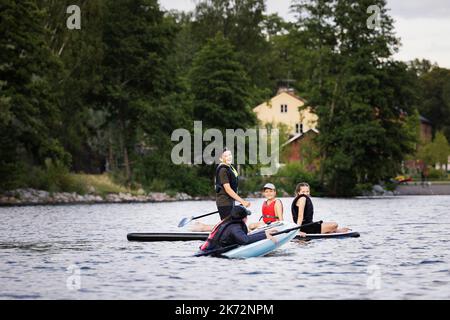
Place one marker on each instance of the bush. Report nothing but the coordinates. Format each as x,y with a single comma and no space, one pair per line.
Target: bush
55,177
251,184
185,179
436,174
291,174
362,188
102,184
285,180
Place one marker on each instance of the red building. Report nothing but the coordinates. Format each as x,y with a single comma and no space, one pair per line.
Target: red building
302,148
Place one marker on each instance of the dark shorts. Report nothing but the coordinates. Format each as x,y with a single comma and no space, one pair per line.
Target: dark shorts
224,211
314,228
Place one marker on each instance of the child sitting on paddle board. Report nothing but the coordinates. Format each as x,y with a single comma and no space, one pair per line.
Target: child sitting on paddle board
302,212
233,230
272,208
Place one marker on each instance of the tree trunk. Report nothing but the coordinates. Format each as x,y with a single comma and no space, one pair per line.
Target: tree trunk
112,165
126,161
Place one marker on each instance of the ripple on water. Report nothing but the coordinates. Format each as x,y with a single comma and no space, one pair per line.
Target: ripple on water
431,261
412,261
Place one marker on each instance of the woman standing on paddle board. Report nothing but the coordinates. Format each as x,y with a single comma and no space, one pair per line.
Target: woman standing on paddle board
227,181
302,212
226,185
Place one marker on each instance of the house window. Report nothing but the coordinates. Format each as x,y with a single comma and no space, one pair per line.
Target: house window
299,128
283,108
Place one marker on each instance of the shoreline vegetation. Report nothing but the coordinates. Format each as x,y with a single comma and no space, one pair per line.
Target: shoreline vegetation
101,189
72,188
107,98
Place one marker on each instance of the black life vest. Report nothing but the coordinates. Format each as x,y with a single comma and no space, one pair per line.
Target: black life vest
232,177
308,211
214,240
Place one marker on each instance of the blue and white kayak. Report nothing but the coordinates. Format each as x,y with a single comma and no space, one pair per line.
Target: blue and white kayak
263,247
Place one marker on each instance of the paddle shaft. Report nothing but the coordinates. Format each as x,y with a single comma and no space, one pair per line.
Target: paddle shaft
204,215
185,221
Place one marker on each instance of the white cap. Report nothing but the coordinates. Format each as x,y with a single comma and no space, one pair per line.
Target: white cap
269,186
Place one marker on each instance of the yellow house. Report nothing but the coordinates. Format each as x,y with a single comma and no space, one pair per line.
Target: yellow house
283,108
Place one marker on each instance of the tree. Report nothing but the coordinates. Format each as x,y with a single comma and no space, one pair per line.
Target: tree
362,96
81,53
436,152
219,87
242,23
435,98
28,108
136,73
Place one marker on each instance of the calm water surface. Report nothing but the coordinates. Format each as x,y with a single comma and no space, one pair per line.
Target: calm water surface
81,252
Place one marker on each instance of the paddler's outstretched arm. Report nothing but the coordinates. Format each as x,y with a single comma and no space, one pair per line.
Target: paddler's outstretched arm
242,238
234,195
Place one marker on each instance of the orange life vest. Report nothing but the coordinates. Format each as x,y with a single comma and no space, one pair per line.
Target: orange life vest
268,212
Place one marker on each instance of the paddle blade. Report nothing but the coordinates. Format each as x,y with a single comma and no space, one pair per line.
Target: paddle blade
184,222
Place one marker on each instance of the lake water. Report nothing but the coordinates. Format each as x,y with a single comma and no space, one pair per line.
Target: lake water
81,252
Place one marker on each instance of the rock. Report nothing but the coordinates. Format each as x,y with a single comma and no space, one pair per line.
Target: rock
378,189
41,194
111,197
91,189
182,196
158,196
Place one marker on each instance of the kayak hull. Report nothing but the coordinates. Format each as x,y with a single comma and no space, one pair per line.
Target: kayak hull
263,247
202,236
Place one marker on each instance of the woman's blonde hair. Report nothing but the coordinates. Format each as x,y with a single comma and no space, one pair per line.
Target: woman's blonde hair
299,186
221,156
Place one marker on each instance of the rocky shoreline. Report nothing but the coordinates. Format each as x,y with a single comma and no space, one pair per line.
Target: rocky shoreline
23,197
28,196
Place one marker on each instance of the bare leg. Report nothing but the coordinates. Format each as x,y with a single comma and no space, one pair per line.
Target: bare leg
343,230
201,227
332,227
329,227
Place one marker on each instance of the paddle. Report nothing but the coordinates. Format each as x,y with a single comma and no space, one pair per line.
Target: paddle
219,251
186,220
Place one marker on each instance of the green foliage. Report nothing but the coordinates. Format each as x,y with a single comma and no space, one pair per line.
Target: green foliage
55,177
241,22
108,96
219,86
30,116
436,174
251,184
435,100
291,174
436,151
360,96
